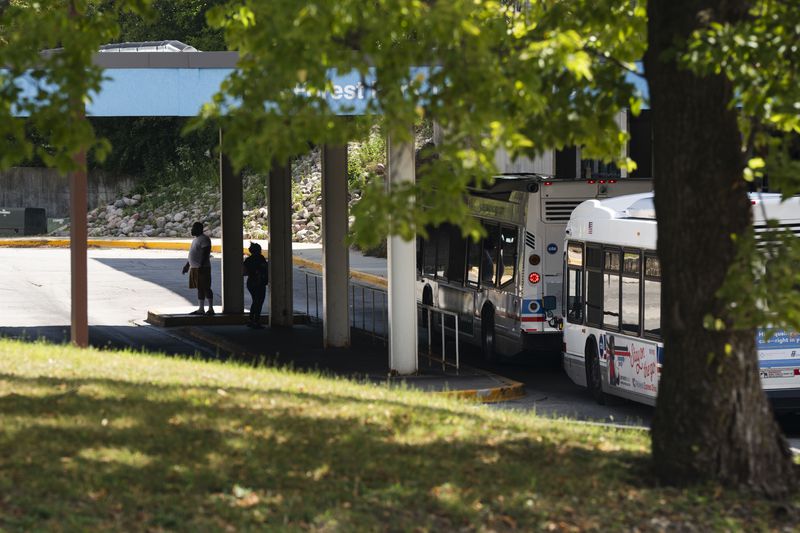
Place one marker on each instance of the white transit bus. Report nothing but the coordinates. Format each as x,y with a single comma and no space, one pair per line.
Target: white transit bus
612,302
506,288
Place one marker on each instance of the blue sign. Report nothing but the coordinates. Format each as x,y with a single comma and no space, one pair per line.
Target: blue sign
181,92
552,248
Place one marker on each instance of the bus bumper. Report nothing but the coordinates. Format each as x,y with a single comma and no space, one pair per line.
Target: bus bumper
549,342
784,400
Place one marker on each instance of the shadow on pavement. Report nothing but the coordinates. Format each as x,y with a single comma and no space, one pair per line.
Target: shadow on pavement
164,272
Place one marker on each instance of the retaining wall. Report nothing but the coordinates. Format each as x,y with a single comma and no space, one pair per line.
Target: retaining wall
44,187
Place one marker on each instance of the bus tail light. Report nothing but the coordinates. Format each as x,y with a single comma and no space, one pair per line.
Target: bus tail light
534,259
534,277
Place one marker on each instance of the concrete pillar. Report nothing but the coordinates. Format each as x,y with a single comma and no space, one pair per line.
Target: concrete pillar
335,255
78,234
402,265
281,311
232,225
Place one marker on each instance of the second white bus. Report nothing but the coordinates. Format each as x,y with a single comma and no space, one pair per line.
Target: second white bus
612,302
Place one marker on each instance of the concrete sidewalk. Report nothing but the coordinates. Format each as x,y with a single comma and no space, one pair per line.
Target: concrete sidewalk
371,270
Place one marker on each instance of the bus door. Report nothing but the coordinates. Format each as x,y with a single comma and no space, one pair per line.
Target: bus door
553,262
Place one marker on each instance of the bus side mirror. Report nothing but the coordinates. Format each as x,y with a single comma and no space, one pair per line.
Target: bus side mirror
549,303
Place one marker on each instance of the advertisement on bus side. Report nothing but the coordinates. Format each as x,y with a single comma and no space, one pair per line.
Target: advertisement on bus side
778,354
632,365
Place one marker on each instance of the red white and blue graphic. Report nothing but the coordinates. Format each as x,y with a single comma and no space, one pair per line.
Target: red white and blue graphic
532,311
632,364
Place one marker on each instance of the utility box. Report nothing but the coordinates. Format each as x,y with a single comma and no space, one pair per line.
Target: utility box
20,221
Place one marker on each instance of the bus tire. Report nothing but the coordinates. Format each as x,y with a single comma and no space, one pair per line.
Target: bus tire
488,347
594,376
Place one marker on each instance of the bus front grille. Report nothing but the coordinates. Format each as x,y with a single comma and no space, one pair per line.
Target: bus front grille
762,229
530,240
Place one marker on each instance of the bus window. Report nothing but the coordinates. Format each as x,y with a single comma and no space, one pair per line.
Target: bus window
429,252
473,261
489,256
594,285
652,267
419,256
456,254
575,283
508,256
441,238
631,270
575,255
652,297
611,300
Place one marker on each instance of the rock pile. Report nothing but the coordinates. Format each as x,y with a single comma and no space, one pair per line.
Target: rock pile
156,216
171,211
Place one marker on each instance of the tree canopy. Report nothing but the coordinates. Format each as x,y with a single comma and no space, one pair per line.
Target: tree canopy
549,76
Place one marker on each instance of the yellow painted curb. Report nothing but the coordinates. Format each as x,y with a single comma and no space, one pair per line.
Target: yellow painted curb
369,278
354,274
512,391
34,243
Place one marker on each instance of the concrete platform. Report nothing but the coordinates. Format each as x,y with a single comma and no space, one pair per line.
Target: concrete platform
301,348
168,318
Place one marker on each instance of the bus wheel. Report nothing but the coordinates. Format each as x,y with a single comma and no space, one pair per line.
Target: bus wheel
487,338
594,376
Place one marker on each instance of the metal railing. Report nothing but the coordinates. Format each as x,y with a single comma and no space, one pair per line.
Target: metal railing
430,310
368,306
369,313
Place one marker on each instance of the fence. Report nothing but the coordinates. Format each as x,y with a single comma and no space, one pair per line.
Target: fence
369,313
368,306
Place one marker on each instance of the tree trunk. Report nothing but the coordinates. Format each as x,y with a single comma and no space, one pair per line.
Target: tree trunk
712,420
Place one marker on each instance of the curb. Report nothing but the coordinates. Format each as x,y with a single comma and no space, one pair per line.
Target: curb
372,279
509,390
132,244
220,344
166,245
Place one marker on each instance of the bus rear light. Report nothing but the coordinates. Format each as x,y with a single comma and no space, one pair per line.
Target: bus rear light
590,182
534,277
534,259
797,371
612,181
602,181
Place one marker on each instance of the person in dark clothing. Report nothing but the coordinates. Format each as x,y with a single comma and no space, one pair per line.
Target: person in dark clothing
256,268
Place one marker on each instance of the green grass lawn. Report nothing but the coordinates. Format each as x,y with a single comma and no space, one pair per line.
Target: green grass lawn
97,440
